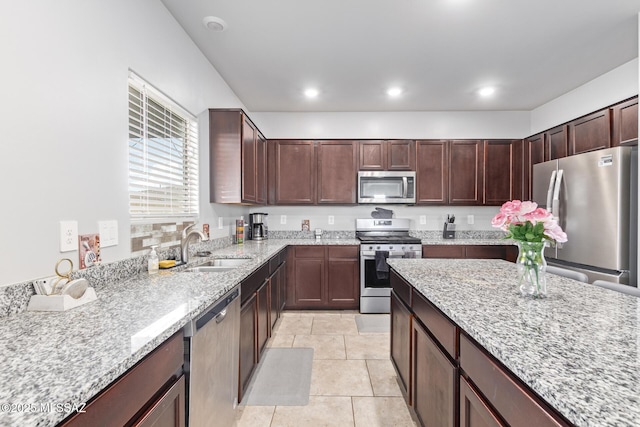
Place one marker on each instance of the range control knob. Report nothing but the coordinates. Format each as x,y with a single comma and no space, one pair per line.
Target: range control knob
378,247
390,247
403,248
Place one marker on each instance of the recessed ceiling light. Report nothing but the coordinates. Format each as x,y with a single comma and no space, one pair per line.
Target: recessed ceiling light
214,23
311,93
486,91
394,92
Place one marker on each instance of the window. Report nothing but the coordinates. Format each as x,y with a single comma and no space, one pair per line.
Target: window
163,155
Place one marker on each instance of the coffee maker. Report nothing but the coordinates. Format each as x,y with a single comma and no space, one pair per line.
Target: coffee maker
258,226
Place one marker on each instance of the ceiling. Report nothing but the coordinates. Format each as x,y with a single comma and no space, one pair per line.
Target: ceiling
440,52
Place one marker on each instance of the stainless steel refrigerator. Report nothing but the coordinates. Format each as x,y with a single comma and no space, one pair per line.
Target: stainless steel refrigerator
594,197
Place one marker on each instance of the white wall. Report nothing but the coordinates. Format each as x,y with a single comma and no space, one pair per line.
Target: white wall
64,118
394,125
616,85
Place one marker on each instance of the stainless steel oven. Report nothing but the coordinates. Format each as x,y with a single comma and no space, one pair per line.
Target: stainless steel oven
381,239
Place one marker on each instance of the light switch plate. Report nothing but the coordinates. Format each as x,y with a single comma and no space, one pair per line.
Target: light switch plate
108,233
220,223
283,219
331,220
470,219
68,236
423,219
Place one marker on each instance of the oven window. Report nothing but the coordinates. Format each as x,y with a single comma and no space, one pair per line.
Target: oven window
371,276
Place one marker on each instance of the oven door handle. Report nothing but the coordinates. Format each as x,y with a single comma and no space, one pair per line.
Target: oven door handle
372,254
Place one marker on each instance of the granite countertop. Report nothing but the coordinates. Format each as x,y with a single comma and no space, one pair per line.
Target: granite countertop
482,242
69,357
579,349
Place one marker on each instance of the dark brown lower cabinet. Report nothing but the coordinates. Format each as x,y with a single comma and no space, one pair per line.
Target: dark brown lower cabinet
274,286
263,324
506,252
248,342
150,393
401,343
435,381
473,411
169,410
323,277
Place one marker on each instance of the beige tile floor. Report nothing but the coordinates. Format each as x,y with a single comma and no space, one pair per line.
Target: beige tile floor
352,381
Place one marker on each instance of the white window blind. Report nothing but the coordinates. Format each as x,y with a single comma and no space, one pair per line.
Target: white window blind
163,155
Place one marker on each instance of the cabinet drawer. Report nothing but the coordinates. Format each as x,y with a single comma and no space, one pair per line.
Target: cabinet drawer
309,251
401,288
350,252
135,389
487,252
443,251
251,284
443,329
512,400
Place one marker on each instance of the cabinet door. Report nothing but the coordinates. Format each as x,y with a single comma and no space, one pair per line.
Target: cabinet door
261,169
248,351
432,172
372,156
401,343
263,325
401,155
295,173
343,277
283,286
589,133
486,252
248,161
308,279
274,286
337,172
434,384
534,153
465,172
473,411
168,410
624,117
558,143
502,171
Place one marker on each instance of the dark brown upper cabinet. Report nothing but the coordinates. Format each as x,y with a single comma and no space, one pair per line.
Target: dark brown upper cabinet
432,172
589,133
237,158
292,177
465,172
533,153
386,155
337,172
502,171
624,118
557,142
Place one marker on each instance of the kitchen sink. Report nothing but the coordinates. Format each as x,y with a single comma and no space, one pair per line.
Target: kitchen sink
224,262
218,265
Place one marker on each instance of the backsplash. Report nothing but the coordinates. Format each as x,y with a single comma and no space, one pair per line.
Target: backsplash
164,235
326,234
14,298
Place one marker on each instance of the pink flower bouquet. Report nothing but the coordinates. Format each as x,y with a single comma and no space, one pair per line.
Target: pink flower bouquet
526,222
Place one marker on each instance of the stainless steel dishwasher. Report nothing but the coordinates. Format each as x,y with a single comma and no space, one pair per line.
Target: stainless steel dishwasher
212,361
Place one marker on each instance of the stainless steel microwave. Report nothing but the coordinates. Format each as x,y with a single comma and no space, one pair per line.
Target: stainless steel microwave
387,187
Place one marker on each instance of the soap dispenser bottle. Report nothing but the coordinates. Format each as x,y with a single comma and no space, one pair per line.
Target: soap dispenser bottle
153,266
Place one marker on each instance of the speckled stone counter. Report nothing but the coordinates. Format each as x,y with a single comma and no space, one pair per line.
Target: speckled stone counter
483,242
69,357
579,349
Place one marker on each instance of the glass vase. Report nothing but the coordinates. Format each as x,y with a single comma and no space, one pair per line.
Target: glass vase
531,267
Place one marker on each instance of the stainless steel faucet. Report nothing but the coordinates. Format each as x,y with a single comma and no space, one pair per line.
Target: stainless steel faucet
186,238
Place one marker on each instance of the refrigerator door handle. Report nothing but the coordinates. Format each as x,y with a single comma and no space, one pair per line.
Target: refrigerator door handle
552,181
556,195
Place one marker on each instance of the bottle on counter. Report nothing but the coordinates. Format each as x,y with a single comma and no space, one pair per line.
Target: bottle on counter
153,263
240,231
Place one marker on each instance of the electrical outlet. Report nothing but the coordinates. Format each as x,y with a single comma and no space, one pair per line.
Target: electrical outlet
331,220
423,219
68,236
470,219
220,223
283,219
108,233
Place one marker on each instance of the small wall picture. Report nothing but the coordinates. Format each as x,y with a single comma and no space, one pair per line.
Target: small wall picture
89,249
205,230
306,226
